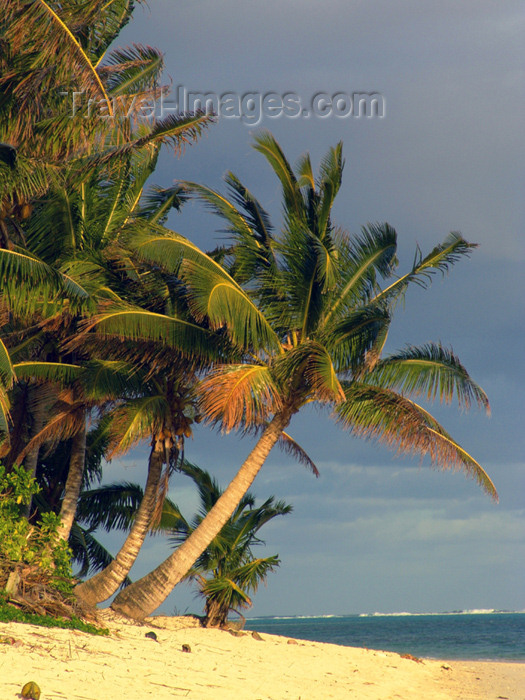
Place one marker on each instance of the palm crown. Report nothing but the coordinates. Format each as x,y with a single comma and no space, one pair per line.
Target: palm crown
312,307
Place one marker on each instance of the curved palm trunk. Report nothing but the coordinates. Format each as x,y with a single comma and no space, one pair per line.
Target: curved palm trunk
73,483
101,586
144,596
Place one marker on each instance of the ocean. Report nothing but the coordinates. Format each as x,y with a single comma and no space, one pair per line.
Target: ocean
481,635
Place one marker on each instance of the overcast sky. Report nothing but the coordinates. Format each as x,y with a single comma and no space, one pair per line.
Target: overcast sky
374,532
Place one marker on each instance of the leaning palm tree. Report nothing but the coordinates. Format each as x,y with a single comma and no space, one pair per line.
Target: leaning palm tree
227,571
309,311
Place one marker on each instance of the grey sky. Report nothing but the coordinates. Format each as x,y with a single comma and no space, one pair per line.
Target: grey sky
376,532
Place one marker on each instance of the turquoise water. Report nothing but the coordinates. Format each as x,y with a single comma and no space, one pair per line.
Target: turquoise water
459,635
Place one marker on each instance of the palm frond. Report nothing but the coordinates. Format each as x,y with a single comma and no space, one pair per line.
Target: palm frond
135,421
104,380
321,374
431,371
172,522
238,395
266,144
225,591
39,23
218,204
131,69
111,506
7,372
158,201
136,325
20,271
252,573
5,406
288,445
176,130
89,553
61,373
66,422
397,422
216,296
330,176
304,171
207,487
257,217
440,259
371,252
353,338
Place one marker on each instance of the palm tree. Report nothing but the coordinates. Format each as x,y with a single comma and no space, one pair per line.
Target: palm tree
227,571
308,309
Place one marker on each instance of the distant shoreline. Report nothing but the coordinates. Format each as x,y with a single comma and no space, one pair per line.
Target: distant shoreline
462,635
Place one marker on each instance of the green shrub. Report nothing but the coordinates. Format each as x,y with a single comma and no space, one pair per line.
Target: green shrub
22,543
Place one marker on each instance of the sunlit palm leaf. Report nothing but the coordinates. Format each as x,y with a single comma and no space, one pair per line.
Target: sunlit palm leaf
330,176
7,372
7,377
63,425
291,447
218,298
305,172
254,572
130,69
56,30
431,371
19,269
175,130
135,421
239,395
373,412
312,361
225,591
139,324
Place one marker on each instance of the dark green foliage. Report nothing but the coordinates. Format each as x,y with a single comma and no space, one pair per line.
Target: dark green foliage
24,544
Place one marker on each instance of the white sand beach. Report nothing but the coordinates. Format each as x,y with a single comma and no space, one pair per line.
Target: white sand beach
79,666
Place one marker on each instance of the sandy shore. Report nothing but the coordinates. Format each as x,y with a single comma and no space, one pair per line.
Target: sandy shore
127,664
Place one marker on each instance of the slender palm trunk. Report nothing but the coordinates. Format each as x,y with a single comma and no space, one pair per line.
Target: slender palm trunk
144,596
73,483
101,586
